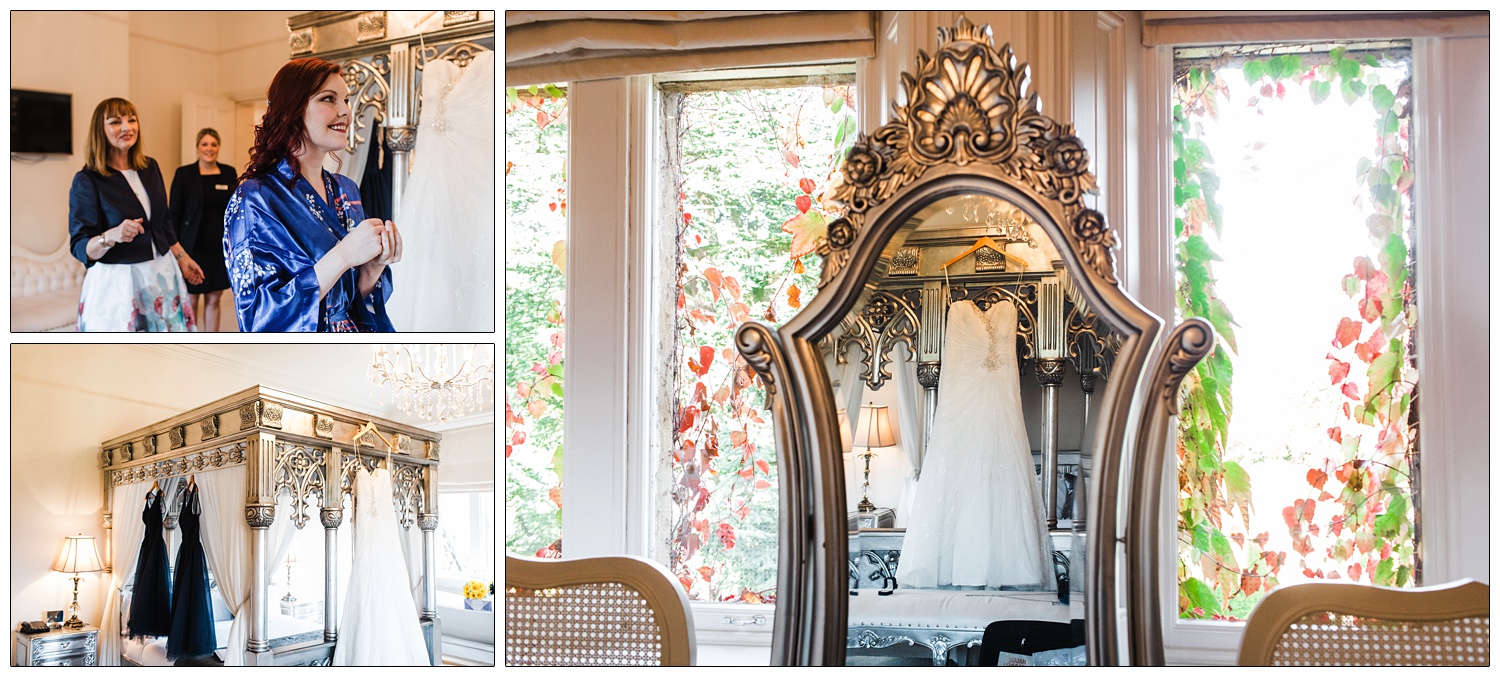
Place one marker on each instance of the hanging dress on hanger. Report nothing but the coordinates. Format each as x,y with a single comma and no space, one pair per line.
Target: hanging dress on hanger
151,596
447,216
379,625
977,516
192,612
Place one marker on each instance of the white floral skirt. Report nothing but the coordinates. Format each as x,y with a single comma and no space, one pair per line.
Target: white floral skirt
146,296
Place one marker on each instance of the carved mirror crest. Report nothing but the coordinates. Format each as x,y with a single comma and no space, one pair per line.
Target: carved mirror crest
970,289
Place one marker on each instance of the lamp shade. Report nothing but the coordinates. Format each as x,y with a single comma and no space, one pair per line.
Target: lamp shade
874,427
78,554
846,437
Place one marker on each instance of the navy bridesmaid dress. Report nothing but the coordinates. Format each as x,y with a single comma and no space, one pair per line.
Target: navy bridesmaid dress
150,601
192,612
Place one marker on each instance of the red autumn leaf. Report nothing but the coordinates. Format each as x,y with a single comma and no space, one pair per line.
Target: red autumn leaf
1371,349
791,158
1347,333
762,484
686,218
707,573
1337,435
764,467
1317,478
689,416
794,296
685,452
1267,90
804,203
705,356
1354,571
518,438
1249,584
681,300
552,206
1350,391
733,286
508,449
1337,371
747,472
1378,284
700,393
1336,527
807,186
797,266
508,166
737,437
739,311
744,511
1290,515
1239,539
1370,309
722,394
1307,510
1313,528
807,229
1363,267
541,119
555,493
1280,90
726,535
523,389
749,451
715,280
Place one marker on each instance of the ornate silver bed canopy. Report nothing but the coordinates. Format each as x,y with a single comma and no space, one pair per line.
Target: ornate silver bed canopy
383,54
295,446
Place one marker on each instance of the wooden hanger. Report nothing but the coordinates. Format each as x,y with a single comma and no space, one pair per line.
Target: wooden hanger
369,426
986,241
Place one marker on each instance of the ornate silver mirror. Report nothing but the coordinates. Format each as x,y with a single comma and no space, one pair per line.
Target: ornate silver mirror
970,319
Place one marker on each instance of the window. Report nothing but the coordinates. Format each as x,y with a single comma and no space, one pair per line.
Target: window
748,164
1297,438
466,534
536,147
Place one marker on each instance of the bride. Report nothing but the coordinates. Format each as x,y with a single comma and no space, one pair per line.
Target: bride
448,207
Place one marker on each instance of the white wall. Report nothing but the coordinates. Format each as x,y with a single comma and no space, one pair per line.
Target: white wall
150,58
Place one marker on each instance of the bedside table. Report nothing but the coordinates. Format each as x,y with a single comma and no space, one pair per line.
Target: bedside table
306,610
880,518
63,646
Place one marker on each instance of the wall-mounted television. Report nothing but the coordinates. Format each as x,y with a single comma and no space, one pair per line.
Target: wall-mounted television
41,122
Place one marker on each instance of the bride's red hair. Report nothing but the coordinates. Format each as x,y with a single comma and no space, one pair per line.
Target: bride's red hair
282,131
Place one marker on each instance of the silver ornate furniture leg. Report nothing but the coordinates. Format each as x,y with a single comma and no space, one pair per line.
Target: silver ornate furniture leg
260,511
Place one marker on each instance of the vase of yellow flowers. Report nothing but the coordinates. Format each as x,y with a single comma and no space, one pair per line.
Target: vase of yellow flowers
476,597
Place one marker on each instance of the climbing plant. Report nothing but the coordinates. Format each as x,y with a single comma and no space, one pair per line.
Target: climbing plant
1358,520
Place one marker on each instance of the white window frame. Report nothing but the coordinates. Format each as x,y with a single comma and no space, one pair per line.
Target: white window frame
1451,215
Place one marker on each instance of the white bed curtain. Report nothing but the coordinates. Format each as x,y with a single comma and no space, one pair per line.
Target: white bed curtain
411,546
125,547
226,541
909,414
851,388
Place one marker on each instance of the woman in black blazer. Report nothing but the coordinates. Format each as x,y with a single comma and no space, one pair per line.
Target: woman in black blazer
118,227
200,192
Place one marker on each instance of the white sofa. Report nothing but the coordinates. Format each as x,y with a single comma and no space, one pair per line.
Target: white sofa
44,290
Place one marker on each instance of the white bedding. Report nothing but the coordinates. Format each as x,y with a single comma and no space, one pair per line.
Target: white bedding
153,652
958,609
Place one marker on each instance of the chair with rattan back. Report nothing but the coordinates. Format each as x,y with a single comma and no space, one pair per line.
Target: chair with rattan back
595,611
1334,623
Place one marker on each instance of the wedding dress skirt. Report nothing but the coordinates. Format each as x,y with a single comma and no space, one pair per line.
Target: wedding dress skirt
977,518
379,625
447,217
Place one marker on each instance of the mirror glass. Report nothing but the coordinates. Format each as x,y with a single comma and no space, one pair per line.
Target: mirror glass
965,374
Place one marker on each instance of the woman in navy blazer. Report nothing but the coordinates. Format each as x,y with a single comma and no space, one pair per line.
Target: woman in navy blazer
117,220
200,191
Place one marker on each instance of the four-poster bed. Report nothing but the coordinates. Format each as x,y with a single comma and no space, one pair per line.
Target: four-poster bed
282,445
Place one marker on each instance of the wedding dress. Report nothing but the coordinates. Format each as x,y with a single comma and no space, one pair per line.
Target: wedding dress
379,625
977,516
447,213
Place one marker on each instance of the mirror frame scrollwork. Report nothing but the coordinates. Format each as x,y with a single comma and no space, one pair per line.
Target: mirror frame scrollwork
969,127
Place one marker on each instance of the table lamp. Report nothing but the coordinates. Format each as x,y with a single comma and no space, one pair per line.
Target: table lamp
79,554
291,558
874,431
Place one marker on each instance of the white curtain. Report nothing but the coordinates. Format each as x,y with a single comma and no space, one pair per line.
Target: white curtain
852,389
411,546
226,541
909,413
125,547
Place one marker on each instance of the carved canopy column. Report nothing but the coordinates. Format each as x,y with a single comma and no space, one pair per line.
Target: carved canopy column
260,510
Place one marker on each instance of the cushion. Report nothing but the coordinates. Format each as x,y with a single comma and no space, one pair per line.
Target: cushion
55,310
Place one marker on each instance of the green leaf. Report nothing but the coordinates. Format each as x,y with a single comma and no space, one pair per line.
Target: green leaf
1362,169
557,389
1201,596
557,461
511,98
1372,61
1385,572
1390,124
532,90
1202,538
1179,170
1223,322
1349,69
1337,54
1347,89
1382,98
1198,248
1195,79
836,105
1178,227
1291,65
1254,70
555,370
1237,487
1319,90
1403,574
554,92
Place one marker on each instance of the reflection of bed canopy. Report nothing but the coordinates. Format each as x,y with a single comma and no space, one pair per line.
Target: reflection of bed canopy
289,446
383,54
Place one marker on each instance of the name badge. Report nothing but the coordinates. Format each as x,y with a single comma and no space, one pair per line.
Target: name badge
221,186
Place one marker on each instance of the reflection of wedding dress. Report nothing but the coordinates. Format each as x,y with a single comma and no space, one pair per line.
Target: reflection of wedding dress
446,278
977,515
379,625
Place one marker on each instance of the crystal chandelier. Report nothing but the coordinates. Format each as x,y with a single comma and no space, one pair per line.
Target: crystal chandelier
1000,217
435,382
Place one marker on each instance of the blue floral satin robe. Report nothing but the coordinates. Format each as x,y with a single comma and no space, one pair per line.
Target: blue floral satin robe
275,229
